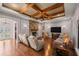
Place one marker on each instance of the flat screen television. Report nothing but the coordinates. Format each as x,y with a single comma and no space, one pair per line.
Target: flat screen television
56,29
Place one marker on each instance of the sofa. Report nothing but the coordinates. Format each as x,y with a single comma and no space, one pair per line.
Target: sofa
23,39
35,43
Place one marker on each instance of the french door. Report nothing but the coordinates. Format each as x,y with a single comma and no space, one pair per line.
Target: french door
7,29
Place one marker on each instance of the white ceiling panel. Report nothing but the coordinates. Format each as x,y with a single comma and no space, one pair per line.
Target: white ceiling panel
55,10
31,11
44,5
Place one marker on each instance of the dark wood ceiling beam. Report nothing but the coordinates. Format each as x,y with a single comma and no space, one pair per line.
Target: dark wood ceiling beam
49,16
35,14
43,13
53,7
39,11
36,8
47,9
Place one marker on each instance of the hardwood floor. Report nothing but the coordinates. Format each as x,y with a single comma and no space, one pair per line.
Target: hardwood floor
11,48
7,47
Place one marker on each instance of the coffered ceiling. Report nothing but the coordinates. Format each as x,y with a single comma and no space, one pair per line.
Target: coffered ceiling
38,10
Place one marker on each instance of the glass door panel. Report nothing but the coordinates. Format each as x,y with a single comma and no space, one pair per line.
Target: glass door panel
5,30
